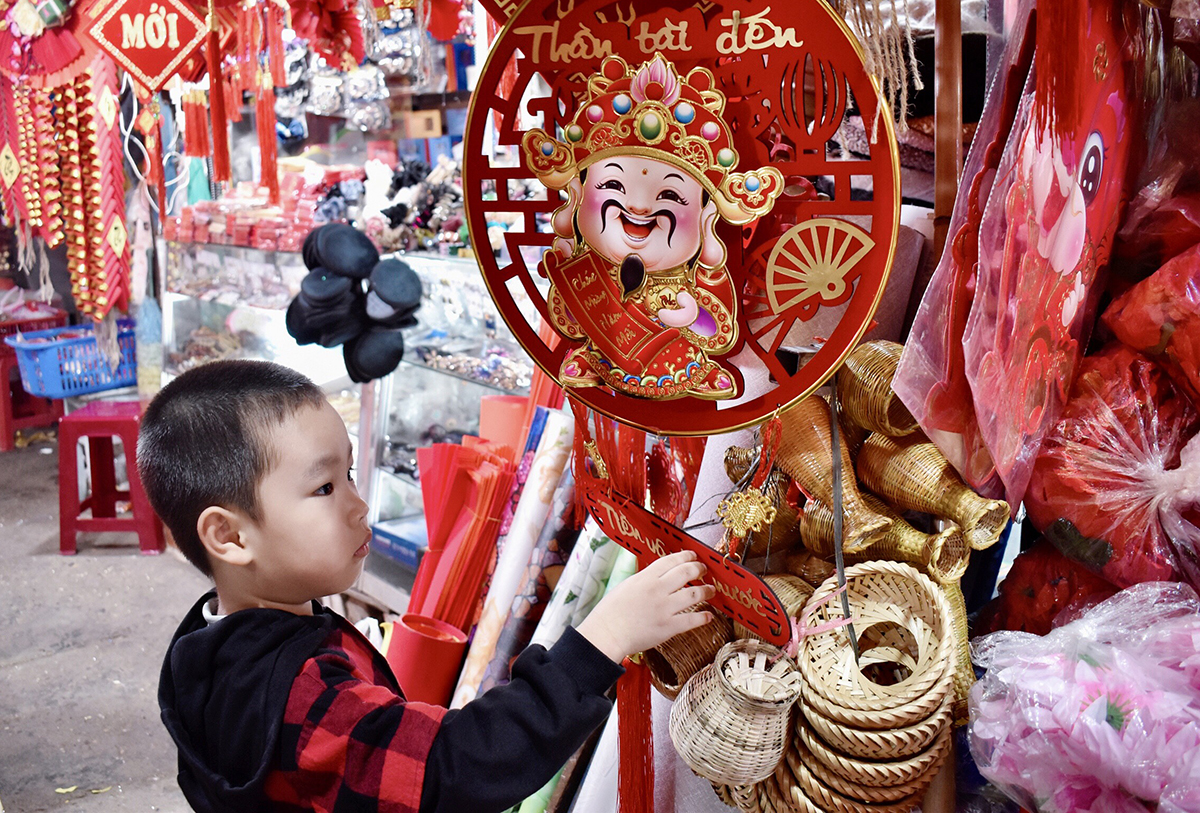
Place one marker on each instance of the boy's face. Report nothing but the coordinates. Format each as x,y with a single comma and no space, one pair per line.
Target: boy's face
313,534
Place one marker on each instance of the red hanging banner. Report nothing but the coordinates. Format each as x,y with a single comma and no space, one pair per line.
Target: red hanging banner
150,39
741,595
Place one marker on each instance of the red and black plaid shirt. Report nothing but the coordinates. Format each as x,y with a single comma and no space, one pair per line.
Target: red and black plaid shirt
350,741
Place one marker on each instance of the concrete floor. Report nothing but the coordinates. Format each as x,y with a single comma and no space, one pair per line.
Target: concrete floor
81,643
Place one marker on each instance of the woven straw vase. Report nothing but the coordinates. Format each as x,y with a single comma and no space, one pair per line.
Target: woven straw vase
912,475
943,556
782,534
904,627
675,660
805,456
864,388
731,721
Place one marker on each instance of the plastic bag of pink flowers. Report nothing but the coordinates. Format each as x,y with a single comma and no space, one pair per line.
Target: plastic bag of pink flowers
1100,716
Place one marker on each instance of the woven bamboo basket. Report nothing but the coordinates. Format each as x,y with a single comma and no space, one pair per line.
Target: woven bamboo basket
913,475
943,556
808,566
792,591
908,714
866,773
805,783
864,388
898,613
731,721
805,455
964,672
675,660
889,743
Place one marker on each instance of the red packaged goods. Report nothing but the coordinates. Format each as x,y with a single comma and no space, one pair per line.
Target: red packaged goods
1113,484
1043,590
1160,316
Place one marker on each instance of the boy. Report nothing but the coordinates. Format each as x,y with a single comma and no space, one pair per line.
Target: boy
276,703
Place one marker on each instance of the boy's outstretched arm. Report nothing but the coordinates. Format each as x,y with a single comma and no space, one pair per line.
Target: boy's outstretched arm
506,744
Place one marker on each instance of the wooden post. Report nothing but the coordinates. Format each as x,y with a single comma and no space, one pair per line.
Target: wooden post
947,115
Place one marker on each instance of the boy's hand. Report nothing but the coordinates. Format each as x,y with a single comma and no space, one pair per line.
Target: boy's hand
649,607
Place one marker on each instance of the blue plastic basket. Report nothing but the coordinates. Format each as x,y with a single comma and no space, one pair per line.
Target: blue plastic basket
59,368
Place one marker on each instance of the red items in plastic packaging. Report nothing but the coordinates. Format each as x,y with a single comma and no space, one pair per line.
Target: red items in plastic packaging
1109,486
1160,317
1043,590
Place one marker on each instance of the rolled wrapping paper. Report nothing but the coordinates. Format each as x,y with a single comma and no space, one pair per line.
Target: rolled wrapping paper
595,581
528,519
913,475
943,555
557,616
804,455
864,388
624,565
424,654
554,545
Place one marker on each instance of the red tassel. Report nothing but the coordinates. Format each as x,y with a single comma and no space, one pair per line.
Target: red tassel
274,25
216,96
268,143
635,776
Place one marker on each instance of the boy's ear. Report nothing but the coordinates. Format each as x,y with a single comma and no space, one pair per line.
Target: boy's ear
220,531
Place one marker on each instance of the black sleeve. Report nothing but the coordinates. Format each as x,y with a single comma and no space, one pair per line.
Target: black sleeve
505,745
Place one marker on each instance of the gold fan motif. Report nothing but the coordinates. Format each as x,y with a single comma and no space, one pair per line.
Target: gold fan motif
814,259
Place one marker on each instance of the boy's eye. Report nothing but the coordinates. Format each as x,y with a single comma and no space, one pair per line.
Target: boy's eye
325,490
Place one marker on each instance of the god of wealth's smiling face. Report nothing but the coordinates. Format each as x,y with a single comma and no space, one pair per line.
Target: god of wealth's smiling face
634,205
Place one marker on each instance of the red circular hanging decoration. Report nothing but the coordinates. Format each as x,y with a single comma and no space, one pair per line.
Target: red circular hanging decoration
675,221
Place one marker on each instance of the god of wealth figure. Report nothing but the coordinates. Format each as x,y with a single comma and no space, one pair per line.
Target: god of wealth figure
637,272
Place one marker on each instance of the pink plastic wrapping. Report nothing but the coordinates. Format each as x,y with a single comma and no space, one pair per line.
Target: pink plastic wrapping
1110,487
1043,245
1160,316
1100,716
931,379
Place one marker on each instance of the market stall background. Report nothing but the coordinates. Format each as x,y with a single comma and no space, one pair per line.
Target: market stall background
1032,356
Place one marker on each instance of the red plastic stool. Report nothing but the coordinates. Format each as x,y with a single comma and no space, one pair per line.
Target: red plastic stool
18,409
99,421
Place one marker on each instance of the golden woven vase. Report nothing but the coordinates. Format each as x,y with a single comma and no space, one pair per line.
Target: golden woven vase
943,556
914,476
675,660
864,388
805,456
732,721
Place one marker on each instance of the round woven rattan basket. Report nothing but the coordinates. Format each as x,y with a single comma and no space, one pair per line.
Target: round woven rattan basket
888,743
675,660
731,721
904,626
866,773
806,783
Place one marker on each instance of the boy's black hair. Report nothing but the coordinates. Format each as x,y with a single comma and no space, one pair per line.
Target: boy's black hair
205,440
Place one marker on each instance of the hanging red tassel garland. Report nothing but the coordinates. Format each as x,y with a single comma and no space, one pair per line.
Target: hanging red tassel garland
220,137
635,739
267,141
